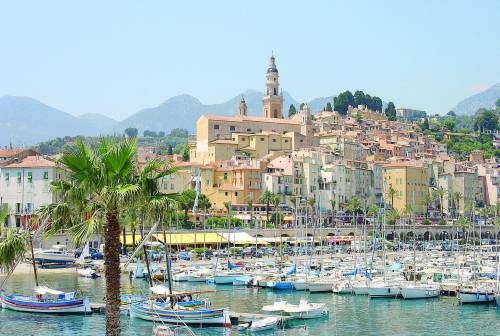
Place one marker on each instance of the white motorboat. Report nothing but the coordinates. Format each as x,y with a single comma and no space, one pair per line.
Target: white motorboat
360,288
277,306
244,280
300,285
306,310
87,273
56,255
199,276
267,323
419,291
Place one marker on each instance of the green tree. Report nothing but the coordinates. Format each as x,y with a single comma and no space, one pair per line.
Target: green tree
359,98
302,106
441,193
376,104
170,150
427,200
359,118
486,120
103,182
131,132
425,124
185,153
329,107
497,104
267,197
179,133
185,202
391,193
390,111
449,124
342,102
291,111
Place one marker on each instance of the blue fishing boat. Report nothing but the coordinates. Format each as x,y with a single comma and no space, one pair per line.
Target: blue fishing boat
46,300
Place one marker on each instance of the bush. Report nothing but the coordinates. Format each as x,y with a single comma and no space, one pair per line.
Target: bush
442,222
199,250
426,222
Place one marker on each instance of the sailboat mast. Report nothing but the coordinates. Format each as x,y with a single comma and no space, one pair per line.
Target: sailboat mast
33,261
169,271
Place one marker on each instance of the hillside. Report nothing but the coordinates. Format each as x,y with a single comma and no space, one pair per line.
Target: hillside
485,99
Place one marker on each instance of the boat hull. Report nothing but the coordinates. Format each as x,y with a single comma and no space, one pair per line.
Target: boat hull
226,279
467,297
419,293
300,286
315,287
57,307
384,292
308,314
216,317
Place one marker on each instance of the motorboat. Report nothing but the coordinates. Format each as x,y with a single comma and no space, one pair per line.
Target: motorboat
242,280
87,273
47,301
56,255
497,299
320,286
267,323
277,306
199,276
306,310
344,287
227,277
419,291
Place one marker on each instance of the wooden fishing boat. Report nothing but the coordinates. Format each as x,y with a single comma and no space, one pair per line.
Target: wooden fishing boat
47,301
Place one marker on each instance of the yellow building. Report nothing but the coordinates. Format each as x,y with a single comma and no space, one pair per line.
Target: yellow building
220,137
411,183
229,181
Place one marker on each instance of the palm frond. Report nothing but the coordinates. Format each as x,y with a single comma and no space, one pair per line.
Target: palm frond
13,248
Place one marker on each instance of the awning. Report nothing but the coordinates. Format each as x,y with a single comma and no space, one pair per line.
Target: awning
240,238
191,238
128,239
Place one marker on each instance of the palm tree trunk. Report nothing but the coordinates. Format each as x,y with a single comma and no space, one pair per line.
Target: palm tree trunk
124,245
112,273
133,239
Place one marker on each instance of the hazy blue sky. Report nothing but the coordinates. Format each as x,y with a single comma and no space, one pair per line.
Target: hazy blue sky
116,57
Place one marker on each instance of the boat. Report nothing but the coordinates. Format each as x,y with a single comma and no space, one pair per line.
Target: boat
419,291
267,323
57,255
282,286
320,286
306,310
88,273
242,281
199,276
497,299
344,287
300,284
475,295
383,290
227,277
277,306
47,301
157,312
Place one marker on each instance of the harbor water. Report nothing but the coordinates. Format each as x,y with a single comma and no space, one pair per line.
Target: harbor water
349,315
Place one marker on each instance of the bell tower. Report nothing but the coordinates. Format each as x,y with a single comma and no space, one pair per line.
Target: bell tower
272,103
243,107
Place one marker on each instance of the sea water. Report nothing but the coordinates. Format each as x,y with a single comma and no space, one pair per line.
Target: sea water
349,315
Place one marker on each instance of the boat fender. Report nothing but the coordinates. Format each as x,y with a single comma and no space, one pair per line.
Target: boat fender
477,296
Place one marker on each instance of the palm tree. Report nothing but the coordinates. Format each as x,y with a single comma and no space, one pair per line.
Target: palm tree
391,193
440,193
427,200
103,182
186,202
267,198
333,203
394,216
457,197
354,207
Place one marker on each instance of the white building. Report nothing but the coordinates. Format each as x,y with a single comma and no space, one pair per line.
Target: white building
25,186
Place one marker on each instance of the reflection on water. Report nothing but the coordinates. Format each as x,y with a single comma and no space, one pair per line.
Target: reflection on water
349,315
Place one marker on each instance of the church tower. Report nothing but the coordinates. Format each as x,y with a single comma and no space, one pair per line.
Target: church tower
243,107
272,103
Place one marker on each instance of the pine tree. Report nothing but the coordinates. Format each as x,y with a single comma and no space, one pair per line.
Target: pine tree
292,111
329,107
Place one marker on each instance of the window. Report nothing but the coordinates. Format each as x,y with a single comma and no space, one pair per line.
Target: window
18,177
286,140
235,193
18,207
261,139
232,128
45,175
216,127
18,222
225,194
274,140
6,176
171,186
30,177
249,129
225,176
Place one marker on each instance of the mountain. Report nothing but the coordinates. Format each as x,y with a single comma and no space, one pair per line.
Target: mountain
26,121
100,123
485,99
182,111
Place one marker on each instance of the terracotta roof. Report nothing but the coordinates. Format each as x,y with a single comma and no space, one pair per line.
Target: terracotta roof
251,118
32,162
10,152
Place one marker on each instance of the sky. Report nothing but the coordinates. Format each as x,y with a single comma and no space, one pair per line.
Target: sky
117,57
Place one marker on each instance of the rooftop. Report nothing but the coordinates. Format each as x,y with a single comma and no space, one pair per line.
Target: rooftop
32,162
